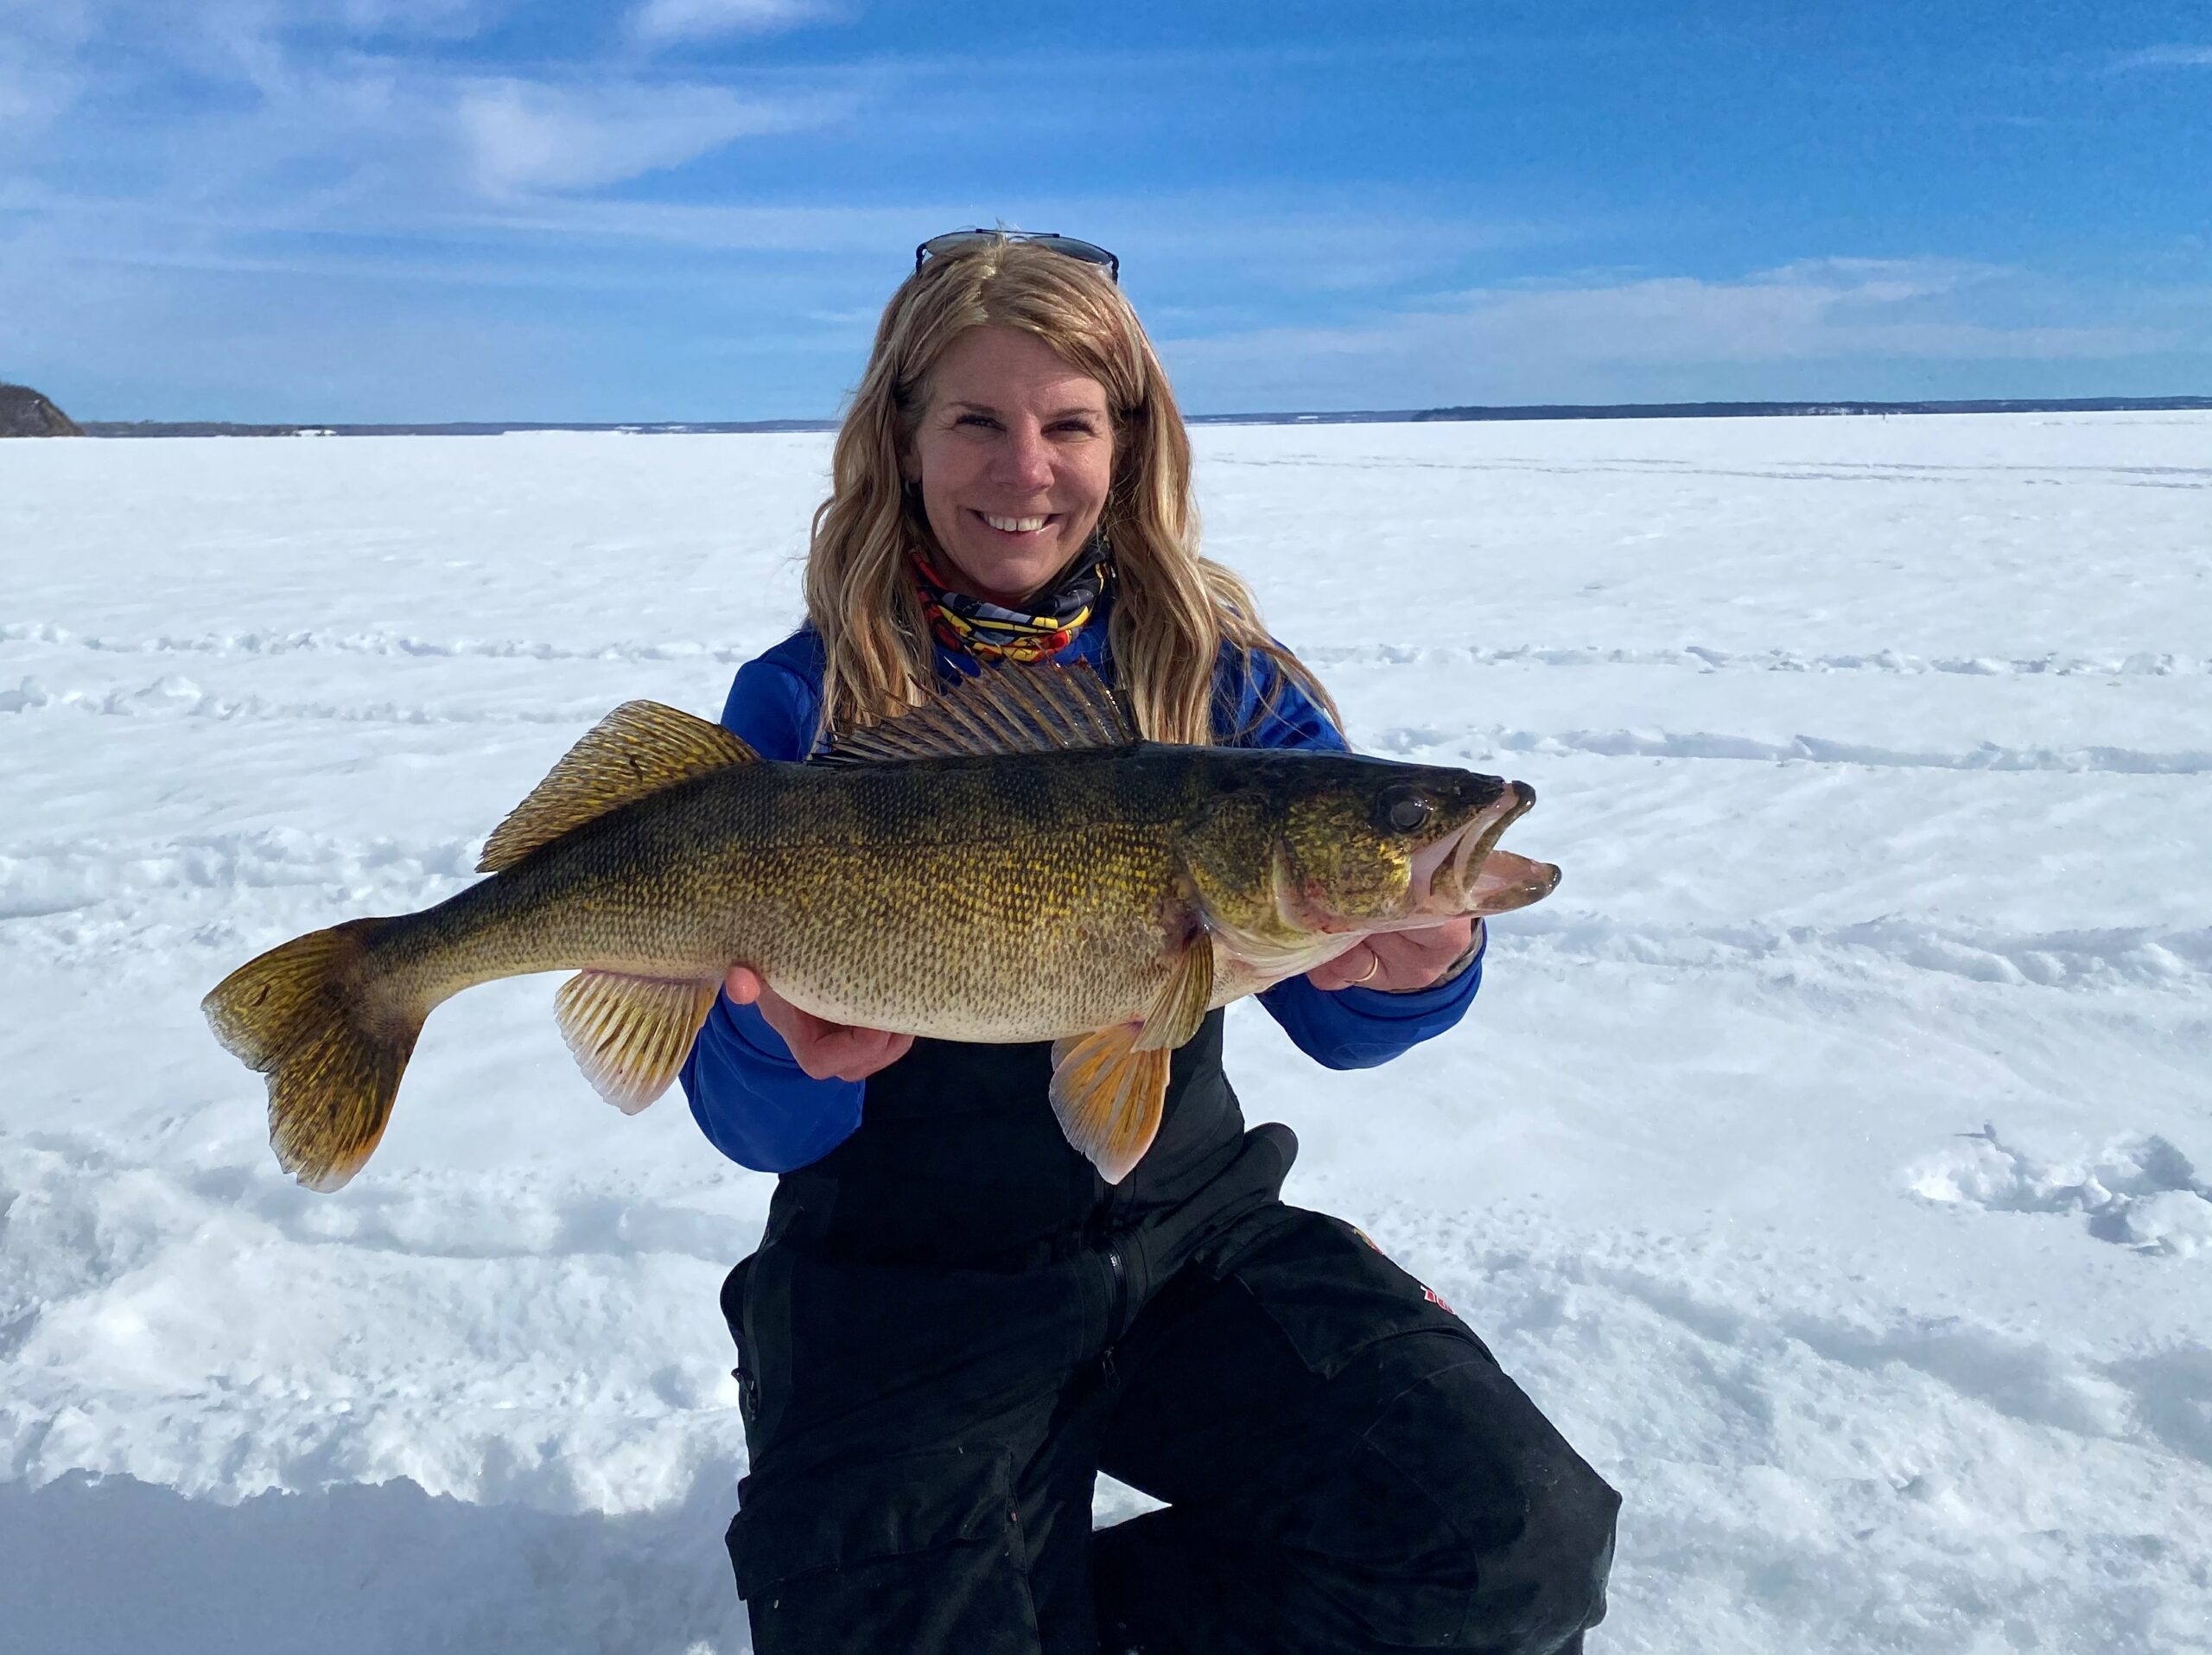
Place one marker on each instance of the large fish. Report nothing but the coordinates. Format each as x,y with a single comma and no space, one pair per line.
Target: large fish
1007,862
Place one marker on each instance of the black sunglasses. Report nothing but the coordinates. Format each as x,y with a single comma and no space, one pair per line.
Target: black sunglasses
956,241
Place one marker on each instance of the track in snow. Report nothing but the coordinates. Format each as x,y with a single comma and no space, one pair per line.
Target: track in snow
1828,1157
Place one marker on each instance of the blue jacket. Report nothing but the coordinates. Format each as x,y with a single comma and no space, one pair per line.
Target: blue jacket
758,1108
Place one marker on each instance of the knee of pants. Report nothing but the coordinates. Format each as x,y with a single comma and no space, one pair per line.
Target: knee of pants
921,1552
1509,1514
1556,1578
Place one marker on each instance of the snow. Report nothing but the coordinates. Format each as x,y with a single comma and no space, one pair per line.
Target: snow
1828,1157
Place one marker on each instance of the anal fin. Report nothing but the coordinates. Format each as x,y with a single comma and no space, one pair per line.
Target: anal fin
631,1034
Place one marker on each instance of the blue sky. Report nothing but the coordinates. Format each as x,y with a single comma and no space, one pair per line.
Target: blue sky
694,209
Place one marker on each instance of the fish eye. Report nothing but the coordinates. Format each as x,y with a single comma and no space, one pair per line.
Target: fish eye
1404,809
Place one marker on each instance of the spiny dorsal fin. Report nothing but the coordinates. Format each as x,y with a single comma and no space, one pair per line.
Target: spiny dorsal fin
1036,709
639,749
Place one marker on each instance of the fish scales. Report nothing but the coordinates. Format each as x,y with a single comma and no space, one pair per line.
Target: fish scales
1052,892
1069,883
993,902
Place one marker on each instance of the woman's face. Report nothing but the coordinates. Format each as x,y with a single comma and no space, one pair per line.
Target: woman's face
1015,457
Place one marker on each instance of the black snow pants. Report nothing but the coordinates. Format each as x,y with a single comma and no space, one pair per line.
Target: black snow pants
951,1325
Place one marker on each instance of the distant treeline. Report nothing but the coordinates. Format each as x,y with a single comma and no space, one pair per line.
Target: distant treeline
1404,415
1724,410
1772,410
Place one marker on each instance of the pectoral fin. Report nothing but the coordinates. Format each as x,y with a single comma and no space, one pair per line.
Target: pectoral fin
1109,1087
1180,1005
630,1035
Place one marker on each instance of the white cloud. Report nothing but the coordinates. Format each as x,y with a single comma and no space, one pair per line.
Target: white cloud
522,136
326,101
54,53
436,18
226,23
662,22
862,232
2164,57
1615,341
33,99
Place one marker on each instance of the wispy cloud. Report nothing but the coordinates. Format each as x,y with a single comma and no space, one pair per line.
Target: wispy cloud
662,23
523,136
32,98
2163,57
419,17
360,143
54,55
238,174
1610,341
1246,243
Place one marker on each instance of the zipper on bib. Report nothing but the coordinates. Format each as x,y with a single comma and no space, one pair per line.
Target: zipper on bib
1117,1303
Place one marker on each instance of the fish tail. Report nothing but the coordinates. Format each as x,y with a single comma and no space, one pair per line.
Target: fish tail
332,1034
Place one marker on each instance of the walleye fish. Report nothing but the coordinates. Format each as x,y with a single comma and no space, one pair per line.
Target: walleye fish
1006,862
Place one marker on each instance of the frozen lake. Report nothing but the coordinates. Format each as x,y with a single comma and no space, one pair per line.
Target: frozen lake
1831,1157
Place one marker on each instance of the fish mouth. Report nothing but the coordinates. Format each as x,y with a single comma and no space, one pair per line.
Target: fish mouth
1463,872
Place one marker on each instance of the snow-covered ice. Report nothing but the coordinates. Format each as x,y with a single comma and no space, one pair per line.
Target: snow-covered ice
1831,1157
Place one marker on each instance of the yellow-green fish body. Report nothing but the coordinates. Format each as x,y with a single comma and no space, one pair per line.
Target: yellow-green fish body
1054,879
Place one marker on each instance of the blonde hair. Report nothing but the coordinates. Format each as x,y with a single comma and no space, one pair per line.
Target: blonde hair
1174,610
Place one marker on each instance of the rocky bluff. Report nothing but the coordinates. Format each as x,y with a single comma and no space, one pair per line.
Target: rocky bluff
24,412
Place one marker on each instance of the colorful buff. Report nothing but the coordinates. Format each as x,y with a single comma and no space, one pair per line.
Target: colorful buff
988,632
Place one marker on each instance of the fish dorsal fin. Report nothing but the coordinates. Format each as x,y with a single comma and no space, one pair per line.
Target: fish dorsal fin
1035,709
639,749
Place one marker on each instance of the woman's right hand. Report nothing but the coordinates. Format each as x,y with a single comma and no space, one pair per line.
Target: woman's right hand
825,1050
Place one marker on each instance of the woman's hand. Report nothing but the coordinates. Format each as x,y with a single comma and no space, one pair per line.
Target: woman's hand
1398,962
825,1050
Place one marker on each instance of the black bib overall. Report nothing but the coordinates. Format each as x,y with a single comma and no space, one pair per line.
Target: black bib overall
953,1324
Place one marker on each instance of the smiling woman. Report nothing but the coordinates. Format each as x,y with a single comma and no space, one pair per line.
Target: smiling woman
1013,456
989,364
954,1321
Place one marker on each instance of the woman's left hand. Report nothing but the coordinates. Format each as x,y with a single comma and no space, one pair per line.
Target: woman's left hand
1398,962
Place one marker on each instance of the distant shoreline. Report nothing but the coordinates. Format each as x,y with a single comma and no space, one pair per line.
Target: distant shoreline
1396,416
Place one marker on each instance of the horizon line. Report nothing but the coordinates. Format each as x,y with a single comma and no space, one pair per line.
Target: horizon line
1471,412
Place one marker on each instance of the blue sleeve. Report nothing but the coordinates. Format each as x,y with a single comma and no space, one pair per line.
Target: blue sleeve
1357,1028
753,1100
750,1097
1346,1028
775,700
1259,706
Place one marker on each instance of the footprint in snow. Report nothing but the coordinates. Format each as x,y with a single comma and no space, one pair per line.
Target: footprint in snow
2140,1192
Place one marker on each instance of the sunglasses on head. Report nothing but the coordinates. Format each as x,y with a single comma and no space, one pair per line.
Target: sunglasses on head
958,241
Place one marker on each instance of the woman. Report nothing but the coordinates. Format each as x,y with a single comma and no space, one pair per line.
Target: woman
952,1324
